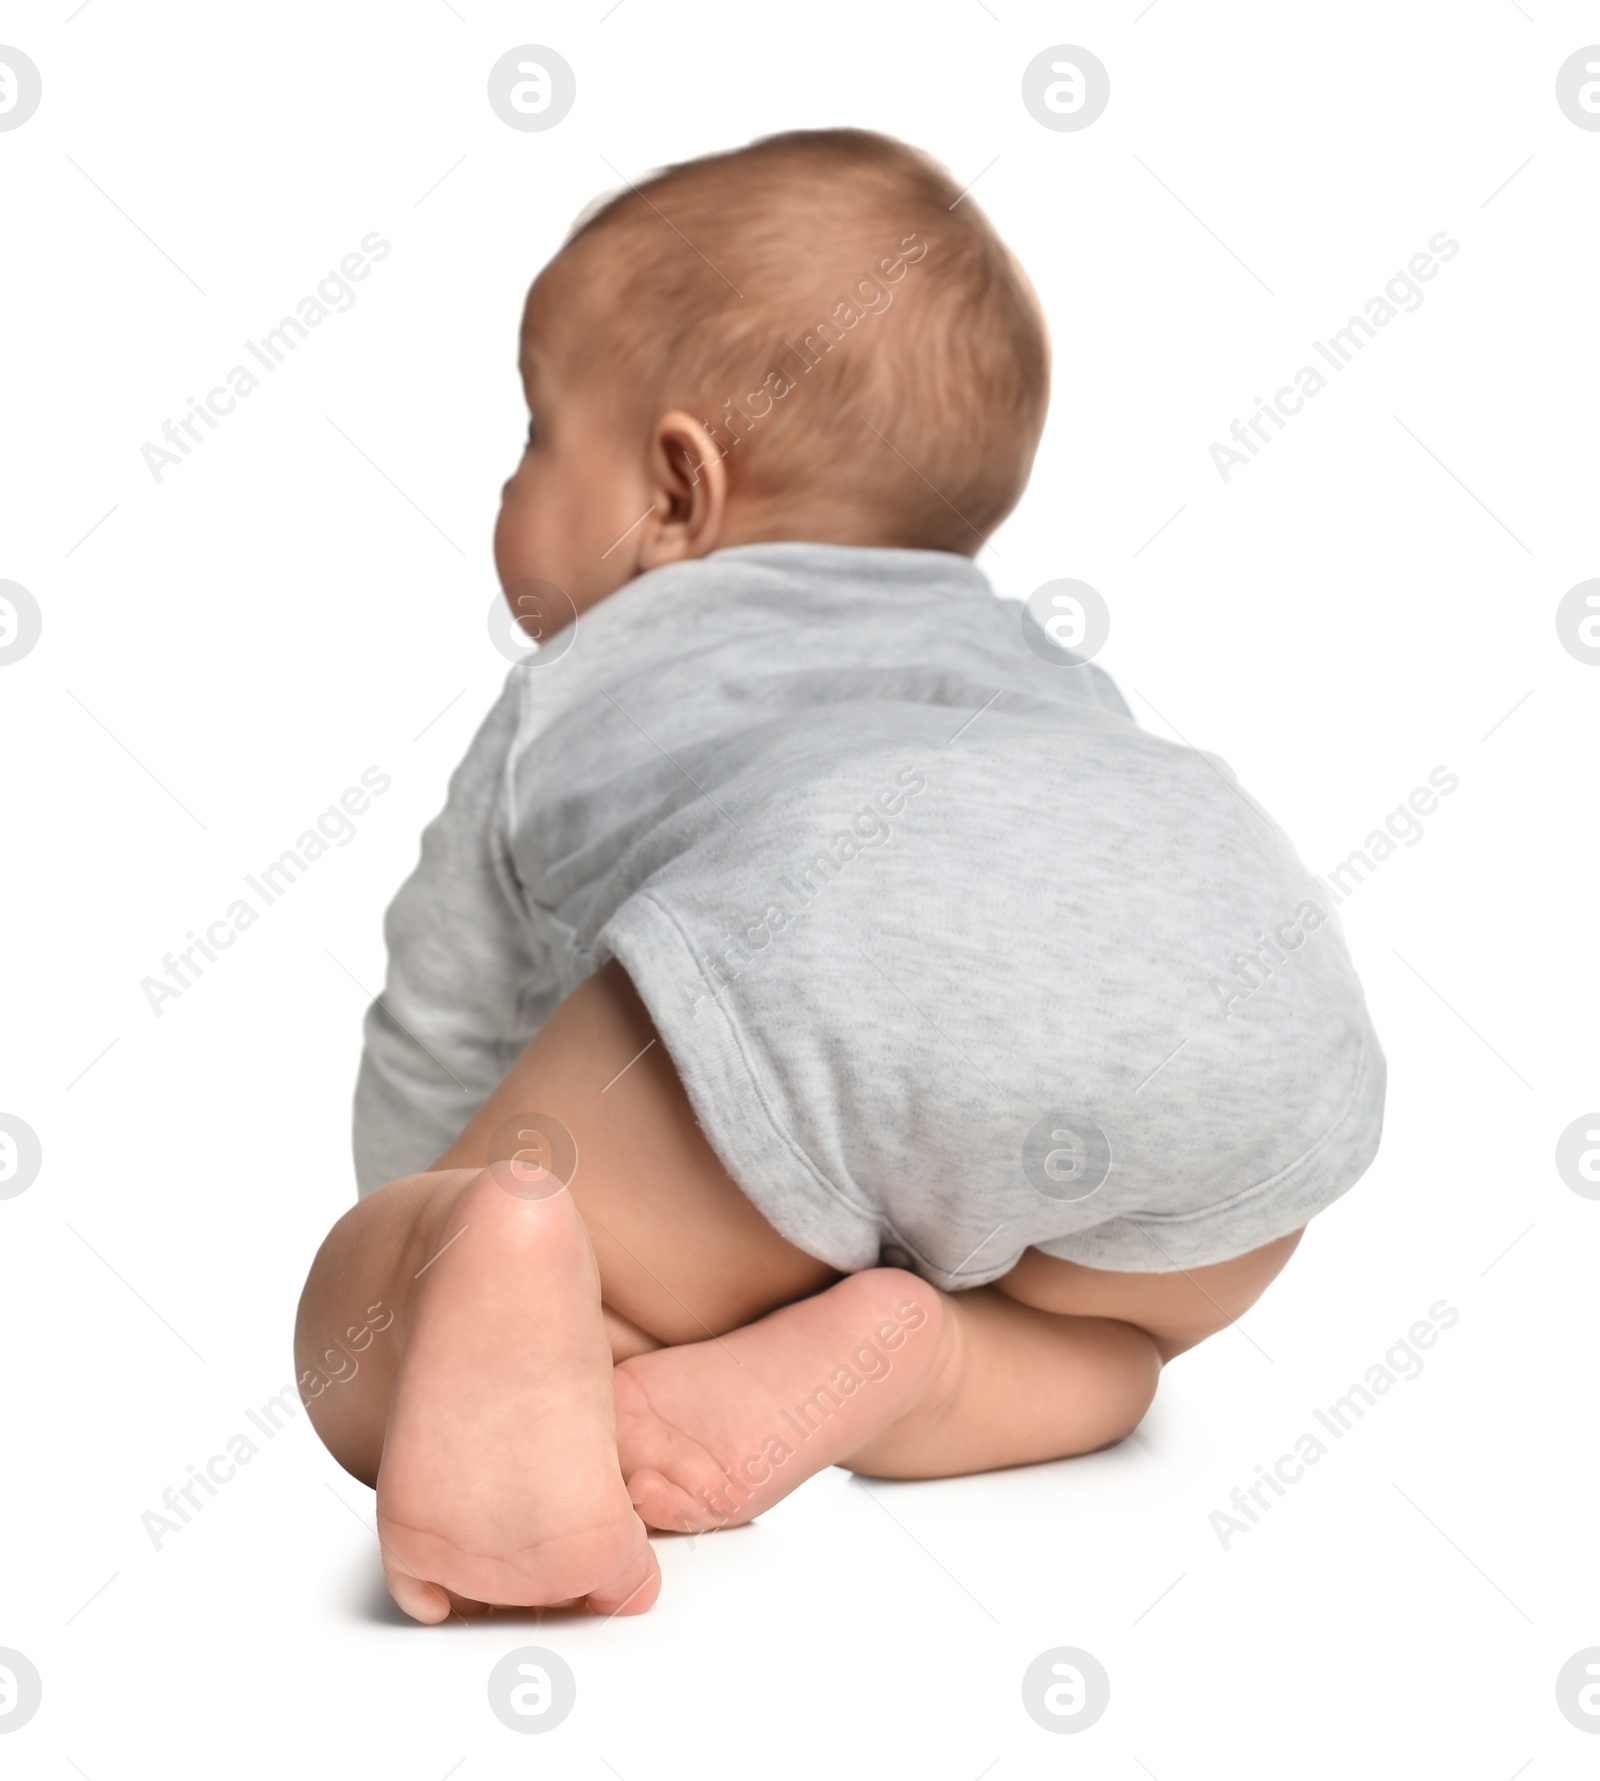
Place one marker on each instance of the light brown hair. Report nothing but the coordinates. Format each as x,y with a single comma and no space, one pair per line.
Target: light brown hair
846,321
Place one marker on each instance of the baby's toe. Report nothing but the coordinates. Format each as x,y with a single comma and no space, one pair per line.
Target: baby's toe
663,1504
634,1589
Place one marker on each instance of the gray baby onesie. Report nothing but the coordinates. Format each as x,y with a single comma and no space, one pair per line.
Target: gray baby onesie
952,957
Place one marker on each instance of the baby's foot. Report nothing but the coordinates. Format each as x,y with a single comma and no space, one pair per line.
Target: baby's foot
715,1432
500,1480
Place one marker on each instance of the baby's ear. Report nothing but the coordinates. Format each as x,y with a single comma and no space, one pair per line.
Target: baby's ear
689,487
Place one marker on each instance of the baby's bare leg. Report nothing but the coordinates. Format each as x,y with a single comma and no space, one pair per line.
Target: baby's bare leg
499,1478
683,1253
484,1411
888,1376
1057,1359
882,1373
1016,1386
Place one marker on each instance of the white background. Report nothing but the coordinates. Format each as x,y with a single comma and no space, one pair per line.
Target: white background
225,651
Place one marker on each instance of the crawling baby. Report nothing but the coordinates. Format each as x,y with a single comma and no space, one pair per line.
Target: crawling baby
823,1028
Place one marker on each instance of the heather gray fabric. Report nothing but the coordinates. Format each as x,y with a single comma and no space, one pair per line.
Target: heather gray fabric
952,957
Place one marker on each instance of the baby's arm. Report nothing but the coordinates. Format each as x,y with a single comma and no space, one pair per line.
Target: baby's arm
470,975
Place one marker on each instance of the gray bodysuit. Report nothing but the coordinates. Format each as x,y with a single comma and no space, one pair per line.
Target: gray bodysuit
952,957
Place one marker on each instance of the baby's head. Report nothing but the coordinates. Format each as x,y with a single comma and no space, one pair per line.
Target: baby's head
816,337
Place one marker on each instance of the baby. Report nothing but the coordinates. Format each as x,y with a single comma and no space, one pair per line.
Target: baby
829,1029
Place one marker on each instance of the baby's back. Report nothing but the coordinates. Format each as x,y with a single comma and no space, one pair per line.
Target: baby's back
945,947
